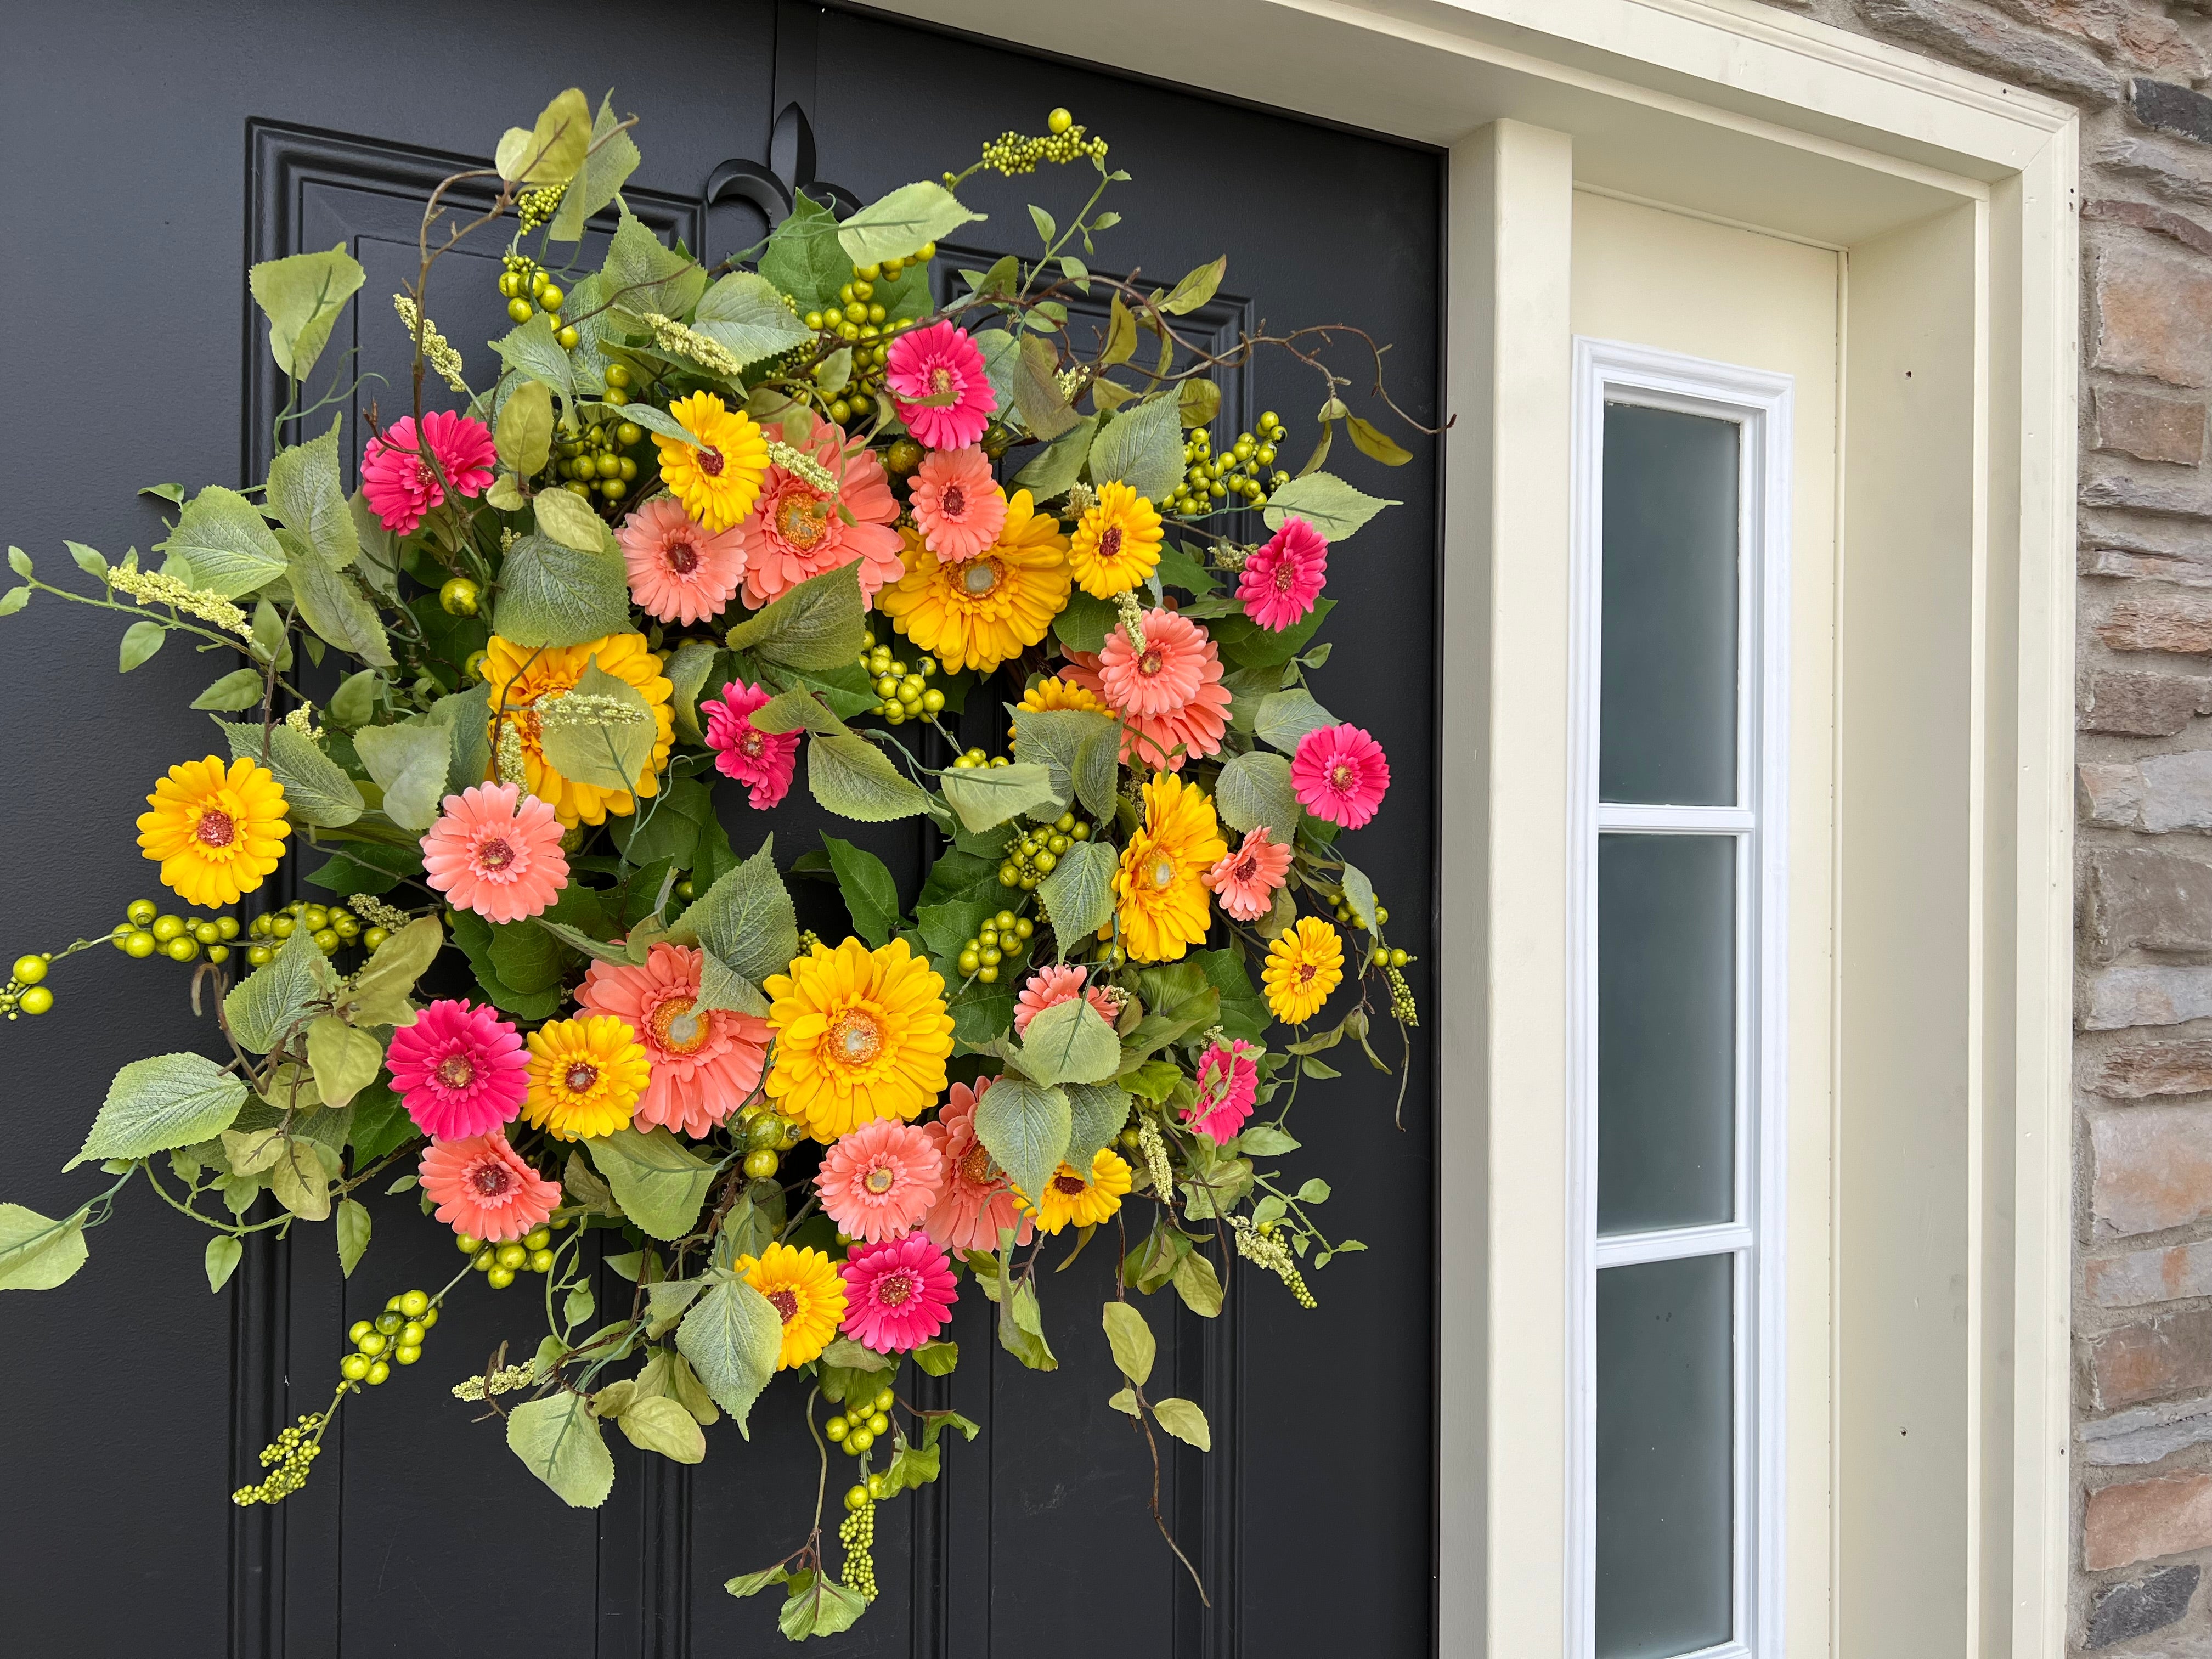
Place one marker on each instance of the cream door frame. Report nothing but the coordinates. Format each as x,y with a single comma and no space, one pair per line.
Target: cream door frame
1953,198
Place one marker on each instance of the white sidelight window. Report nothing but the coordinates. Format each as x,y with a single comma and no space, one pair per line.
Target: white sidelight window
1676,986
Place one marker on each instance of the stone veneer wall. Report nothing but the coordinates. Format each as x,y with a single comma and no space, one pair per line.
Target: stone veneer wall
2143,1301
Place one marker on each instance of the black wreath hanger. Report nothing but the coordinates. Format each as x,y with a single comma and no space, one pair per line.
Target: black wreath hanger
774,189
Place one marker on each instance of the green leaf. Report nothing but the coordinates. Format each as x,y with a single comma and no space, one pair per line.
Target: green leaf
1060,463
852,778
410,763
1097,772
688,670
751,1583
36,1253
1197,403
609,161
302,296
1325,501
1021,1330
1124,1399
1002,356
523,432
1198,1284
804,257
226,544
354,703
1131,1339
1024,1125
466,716
224,1252
745,919
550,152
305,489
141,640
1254,789
1097,1111
871,896
732,1338
1069,1042
817,625
333,607
553,595
987,796
300,1181
657,1180
532,351
1286,717
1083,626
1078,894
937,1358
570,522
614,753
1266,1141
317,791
1053,738
799,709
1044,408
746,317
1178,569
1142,447
1242,1013
1196,289
1360,894
353,1228
658,1424
377,994
1377,444
344,1060
14,600
558,1441
169,1100
896,225
641,275
269,1002
816,1605
1121,344
1185,1421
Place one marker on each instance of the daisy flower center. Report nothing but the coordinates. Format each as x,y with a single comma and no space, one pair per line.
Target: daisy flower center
682,558
217,828
579,1076
456,1071
1343,775
1109,544
495,855
1245,868
786,1304
976,1165
940,380
710,461
880,1178
1069,1184
677,1027
953,501
754,741
856,1038
979,577
802,519
1306,972
1162,870
1284,578
895,1289
491,1180
1152,662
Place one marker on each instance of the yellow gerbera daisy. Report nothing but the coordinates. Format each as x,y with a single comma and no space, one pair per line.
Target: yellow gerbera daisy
586,1076
1068,1197
804,1288
216,832
1053,692
1117,543
860,1035
1161,901
1304,964
517,676
717,477
978,613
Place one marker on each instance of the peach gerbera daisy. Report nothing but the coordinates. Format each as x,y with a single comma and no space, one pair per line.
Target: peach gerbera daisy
483,1188
1055,984
1243,883
879,1181
977,1203
795,532
705,1061
1169,693
958,507
679,570
497,851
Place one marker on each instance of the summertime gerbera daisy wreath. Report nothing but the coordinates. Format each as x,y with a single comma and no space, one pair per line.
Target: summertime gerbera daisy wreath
684,525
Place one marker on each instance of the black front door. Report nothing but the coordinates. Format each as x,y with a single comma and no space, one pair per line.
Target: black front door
153,147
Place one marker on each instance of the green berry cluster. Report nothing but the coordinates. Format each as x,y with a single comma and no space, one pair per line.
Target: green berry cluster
594,459
148,930
1038,852
1403,1008
500,1263
331,925
768,1137
859,321
1388,958
1000,941
1012,154
528,290
395,1334
289,1459
857,1532
23,992
1209,479
535,207
856,1430
906,692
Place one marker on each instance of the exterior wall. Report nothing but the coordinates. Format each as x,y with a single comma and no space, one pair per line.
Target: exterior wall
2142,1305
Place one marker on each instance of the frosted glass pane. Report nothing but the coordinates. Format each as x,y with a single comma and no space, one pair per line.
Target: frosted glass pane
1667,726
1666,1031
1665,1458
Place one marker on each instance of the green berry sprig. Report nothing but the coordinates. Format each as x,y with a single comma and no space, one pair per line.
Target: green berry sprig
289,1459
500,1263
529,288
1209,479
24,991
768,1136
906,693
1001,941
1038,852
146,930
394,1336
596,458
861,321
856,1430
333,926
857,1532
1012,154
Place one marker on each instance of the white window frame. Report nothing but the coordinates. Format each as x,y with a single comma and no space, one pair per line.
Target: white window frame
1759,403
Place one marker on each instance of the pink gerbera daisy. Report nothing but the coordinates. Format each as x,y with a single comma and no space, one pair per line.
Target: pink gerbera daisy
705,1063
401,484
795,532
1340,774
898,1294
1284,575
1243,883
939,387
1052,985
978,1201
483,1188
1169,693
679,571
460,1070
765,760
497,851
880,1180
1227,1083
959,509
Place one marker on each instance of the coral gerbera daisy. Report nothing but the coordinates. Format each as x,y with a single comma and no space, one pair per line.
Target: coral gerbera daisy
795,532
898,1294
1116,543
1056,984
1244,883
216,831
938,385
459,1070
705,1061
679,570
1169,693
859,1034
1228,1083
1087,1201
764,760
406,469
879,1181
1160,899
958,506
989,609
1283,576
497,851
586,1077
804,1288
1304,964
519,679
483,1188
1340,774
978,1202
717,474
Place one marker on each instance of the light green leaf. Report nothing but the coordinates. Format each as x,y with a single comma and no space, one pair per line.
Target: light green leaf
1325,501
1060,462
169,1100
937,1358
1001,353
896,225
803,257
732,1338
553,595
1185,1421
655,1179
800,710
302,296
331,604
641,275
300,1181
523,433
269,1002
1078,895
1124,1399
746,317
721,987
817,625
751,1583
1024,1125
1044,408
1254,789
1198,402
1054,737
14,600
36,1253
986,796
316,788
608,163
1070,1042
241,688
140,641
224,1252
1021,1330
1196,289
354,703
745,919
1198,1284
569,521
1286,717
658,1424
1142,447
851,777
871,896
558,1441
344,1060
612,753
377,994
1360,894
532,351
466,717
1131,1340
817,1605
687,672
226,544
1097,1111
1379,445
352,1230
305,489
379,563
552,150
